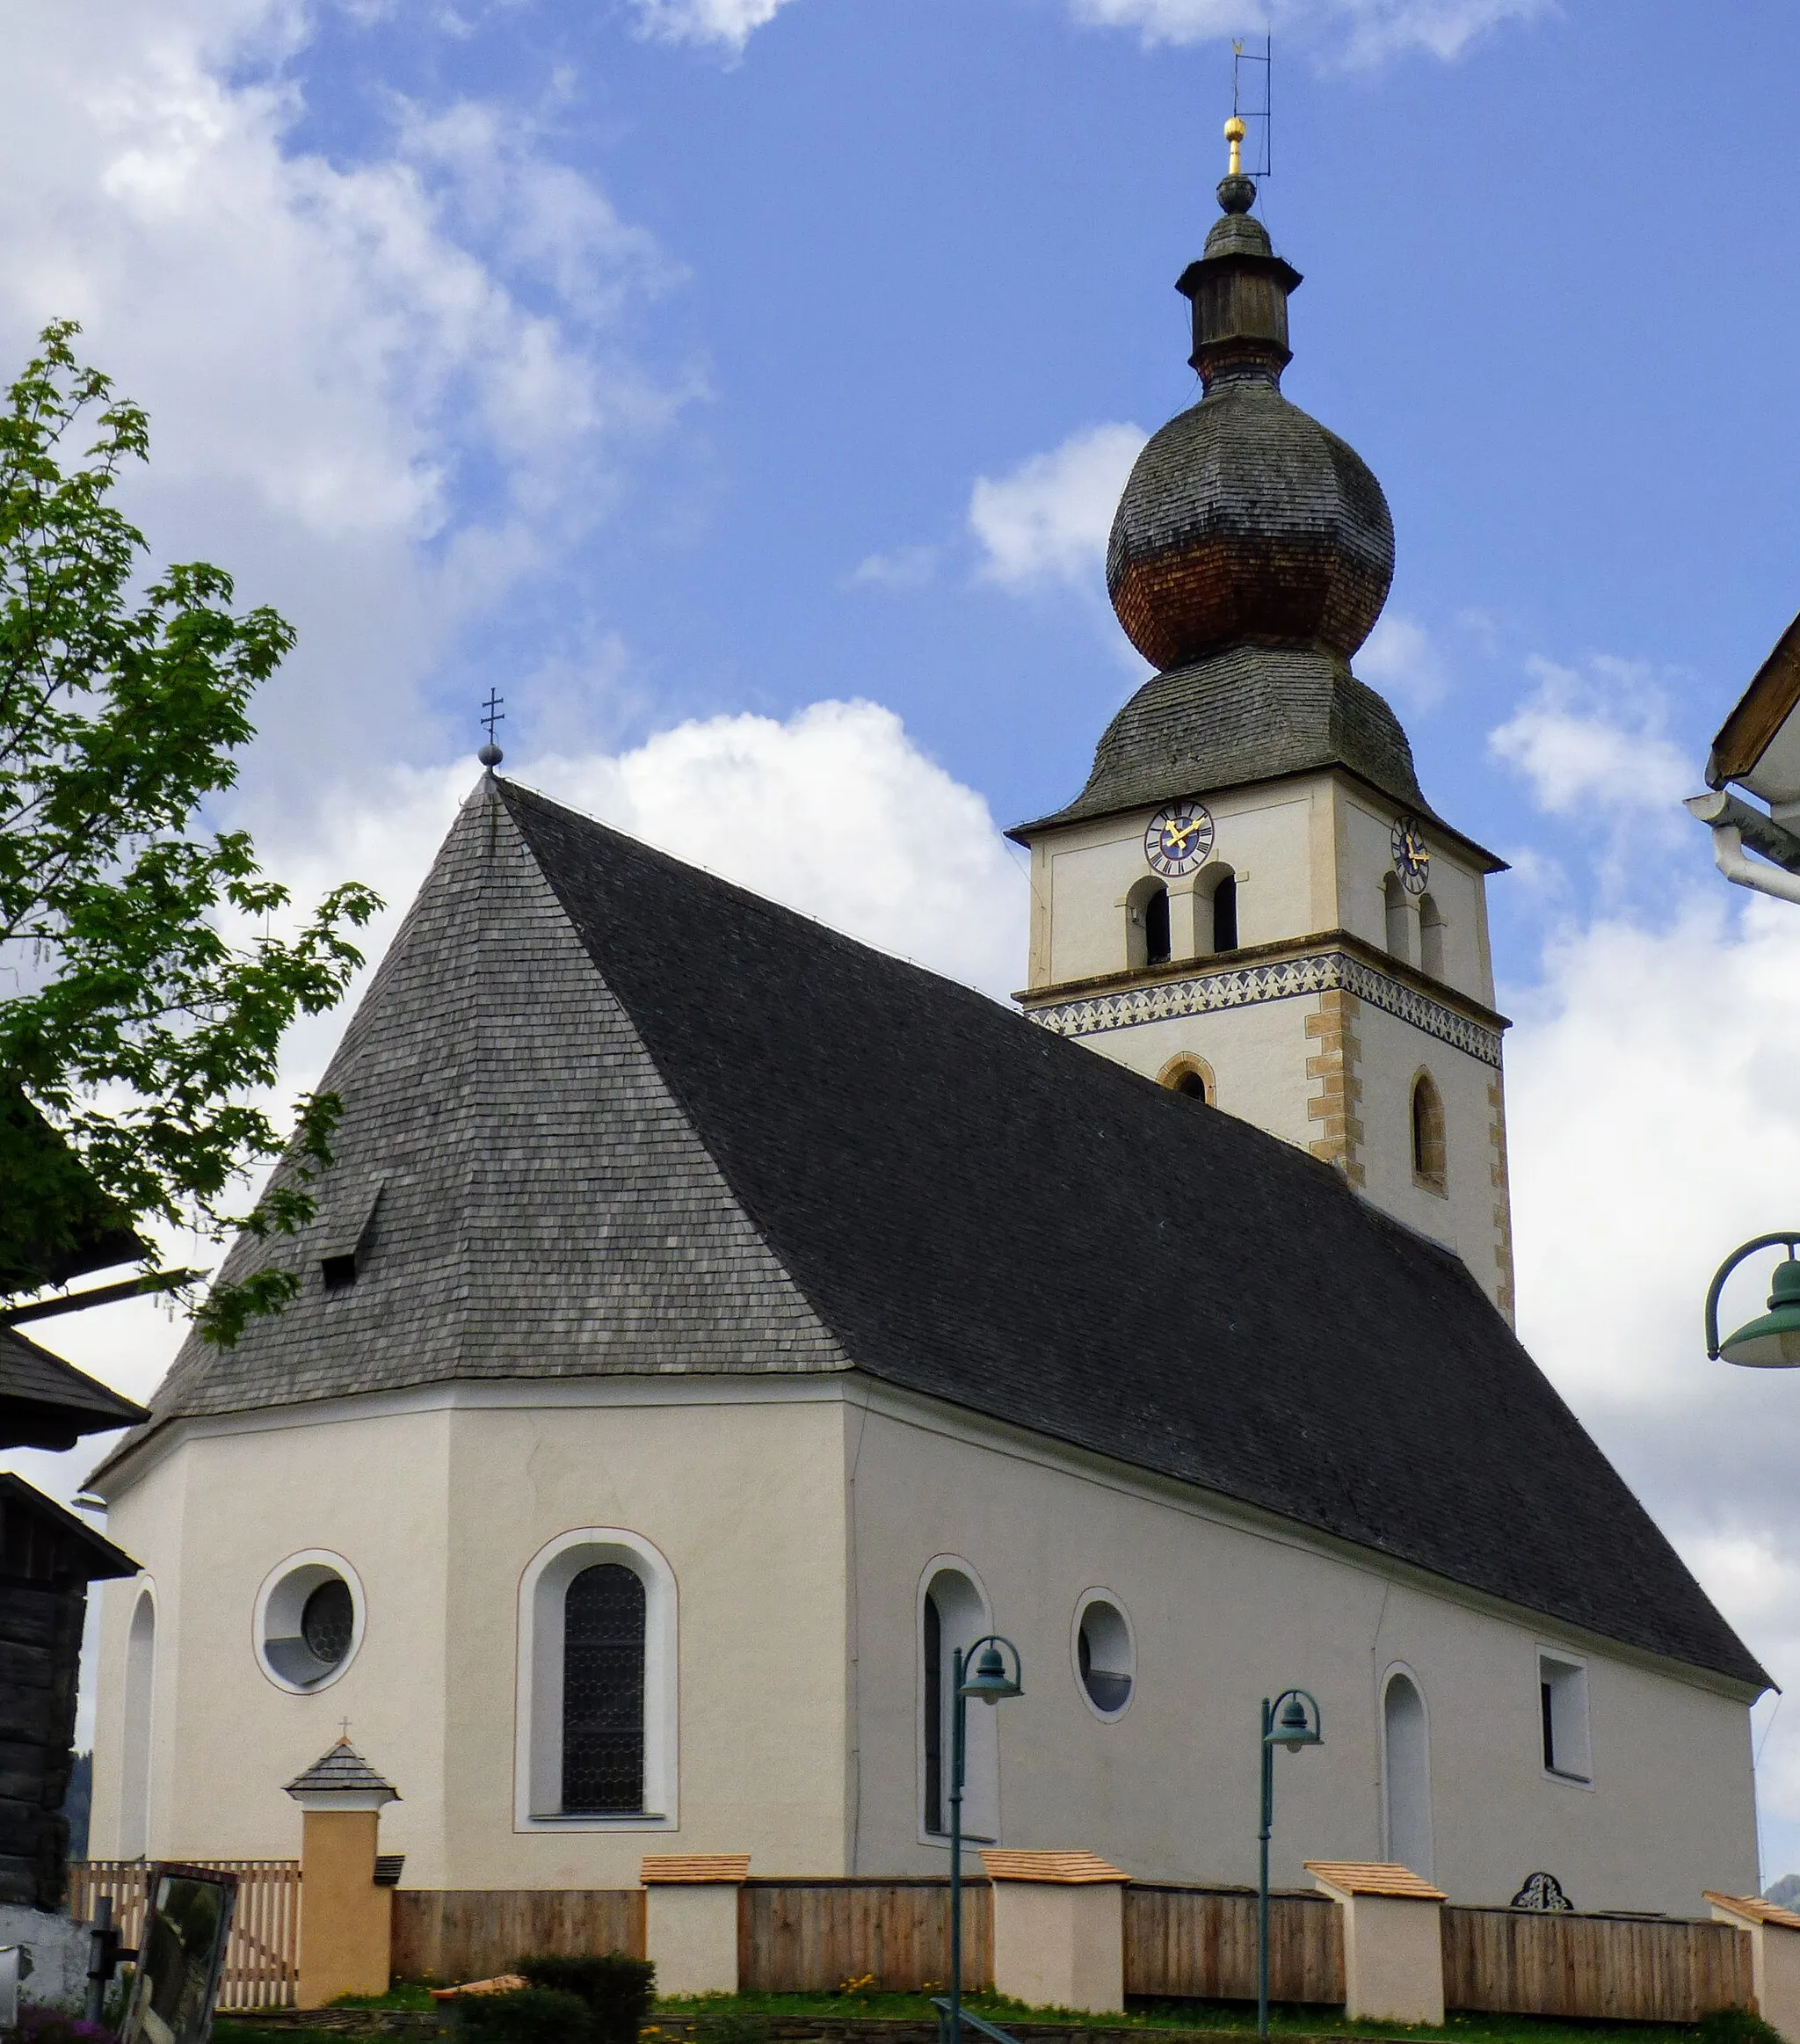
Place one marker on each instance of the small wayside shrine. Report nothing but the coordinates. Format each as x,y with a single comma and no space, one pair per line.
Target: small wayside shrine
712,1325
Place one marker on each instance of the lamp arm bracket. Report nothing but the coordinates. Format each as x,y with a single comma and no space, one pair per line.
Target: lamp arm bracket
1782,1238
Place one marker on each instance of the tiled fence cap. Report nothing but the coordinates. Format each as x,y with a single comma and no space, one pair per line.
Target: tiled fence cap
1073,1869
1754,1909
664,1870
1373,1877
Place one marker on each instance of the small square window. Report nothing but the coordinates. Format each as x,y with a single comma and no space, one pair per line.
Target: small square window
1562,1698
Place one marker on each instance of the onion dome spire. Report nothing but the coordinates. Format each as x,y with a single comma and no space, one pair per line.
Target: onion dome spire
1244,521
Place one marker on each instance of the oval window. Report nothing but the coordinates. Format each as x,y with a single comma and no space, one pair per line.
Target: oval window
308,1621
1105,1657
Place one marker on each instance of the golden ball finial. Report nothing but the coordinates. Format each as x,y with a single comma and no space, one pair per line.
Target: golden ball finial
1234,134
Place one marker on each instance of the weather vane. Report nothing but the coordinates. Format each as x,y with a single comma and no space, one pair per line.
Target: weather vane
490,755
1241,113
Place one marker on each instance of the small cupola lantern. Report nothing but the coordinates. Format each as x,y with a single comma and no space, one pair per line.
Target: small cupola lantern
346,1932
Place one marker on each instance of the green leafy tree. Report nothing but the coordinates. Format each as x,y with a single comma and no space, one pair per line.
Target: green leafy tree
136,1035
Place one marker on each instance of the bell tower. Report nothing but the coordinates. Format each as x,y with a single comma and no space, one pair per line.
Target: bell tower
1251,901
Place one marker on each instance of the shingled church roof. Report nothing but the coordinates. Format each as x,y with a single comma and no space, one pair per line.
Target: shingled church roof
605,1113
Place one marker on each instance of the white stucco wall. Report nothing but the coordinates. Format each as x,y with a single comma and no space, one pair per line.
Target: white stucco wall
1275,840
1224,1613
1462,1215
798,1519
439,1512
1257,1055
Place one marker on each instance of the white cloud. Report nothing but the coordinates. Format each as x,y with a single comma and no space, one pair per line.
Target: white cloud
1362,31
905,568
727,22
1654,1123
1594,741
1402,659
1047,520
382,389
1358,32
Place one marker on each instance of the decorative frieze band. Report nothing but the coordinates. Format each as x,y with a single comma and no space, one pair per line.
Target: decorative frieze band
1319,973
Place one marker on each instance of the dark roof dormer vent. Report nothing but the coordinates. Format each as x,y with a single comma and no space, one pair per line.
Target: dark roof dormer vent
345,1232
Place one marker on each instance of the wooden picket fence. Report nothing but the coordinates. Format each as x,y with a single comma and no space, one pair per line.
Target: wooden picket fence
1627,1968
1201,1941
262,1961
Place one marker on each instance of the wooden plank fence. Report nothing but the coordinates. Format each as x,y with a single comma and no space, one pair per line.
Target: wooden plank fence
262,1961
456,1934
1202,1942
1645,1970
793,1936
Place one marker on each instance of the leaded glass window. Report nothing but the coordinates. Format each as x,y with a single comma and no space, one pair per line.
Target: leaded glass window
603,1664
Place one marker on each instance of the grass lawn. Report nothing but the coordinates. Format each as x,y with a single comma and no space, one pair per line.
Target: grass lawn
1216,2017
672,2017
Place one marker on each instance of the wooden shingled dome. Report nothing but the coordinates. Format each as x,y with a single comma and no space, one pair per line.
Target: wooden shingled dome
1244,521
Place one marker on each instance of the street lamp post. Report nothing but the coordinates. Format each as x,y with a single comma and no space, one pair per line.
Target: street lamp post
1295,1727
1773,1341
991,1683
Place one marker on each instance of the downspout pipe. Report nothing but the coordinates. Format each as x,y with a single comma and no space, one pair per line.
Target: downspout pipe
1731,822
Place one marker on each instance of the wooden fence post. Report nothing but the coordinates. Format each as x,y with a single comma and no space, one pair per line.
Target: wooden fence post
1774,1956
346,1923
1393,1940
1059,1929
690,1930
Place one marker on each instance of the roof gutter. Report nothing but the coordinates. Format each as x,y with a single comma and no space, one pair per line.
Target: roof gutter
1734,823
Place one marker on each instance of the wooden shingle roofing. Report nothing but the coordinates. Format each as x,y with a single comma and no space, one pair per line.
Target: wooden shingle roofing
628,1118
1374,1877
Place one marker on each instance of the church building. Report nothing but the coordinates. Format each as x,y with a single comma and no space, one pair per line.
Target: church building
710,1324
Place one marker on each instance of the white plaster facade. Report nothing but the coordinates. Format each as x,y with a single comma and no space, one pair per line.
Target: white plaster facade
799,1519
1311,857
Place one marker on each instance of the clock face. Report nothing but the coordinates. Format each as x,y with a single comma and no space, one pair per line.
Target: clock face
1178,839
1412,859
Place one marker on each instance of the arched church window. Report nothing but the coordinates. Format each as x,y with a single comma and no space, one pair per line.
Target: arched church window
1157,946
1225,914
598,1708
1147,931
1431,936
1191,1077
952,1614
1399,918
603,1644
1407,1775
134,1753
1428,1160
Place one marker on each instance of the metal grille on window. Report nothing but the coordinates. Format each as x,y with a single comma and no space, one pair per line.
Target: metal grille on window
328,1621
602,1640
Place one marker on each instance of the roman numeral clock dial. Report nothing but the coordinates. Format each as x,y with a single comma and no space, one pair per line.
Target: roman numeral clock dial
1412,858
1179,838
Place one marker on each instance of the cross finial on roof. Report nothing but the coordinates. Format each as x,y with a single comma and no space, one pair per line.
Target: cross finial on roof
344,1731
490,755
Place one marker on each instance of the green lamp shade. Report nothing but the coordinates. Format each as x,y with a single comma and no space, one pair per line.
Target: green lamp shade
991,1681
1293,1729
1772,1343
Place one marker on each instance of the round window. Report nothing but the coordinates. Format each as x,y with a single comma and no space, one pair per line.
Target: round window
1106,1660
308,1620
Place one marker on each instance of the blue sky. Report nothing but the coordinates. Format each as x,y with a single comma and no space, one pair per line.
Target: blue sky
741,387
